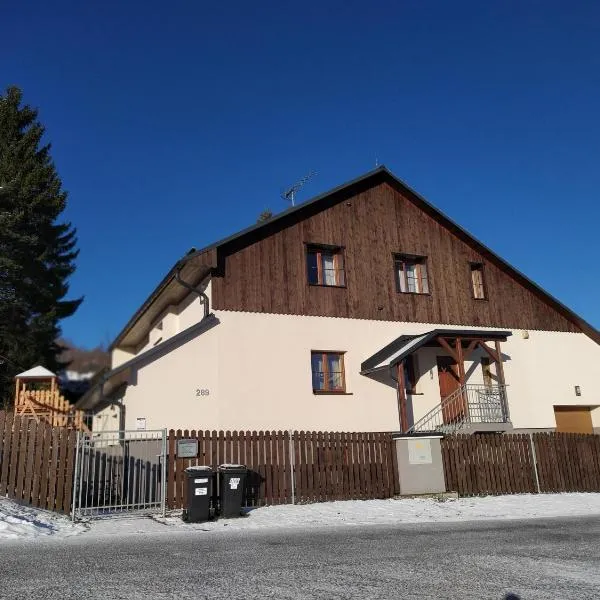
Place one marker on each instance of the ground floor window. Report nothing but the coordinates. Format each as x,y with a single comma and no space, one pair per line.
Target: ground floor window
328,371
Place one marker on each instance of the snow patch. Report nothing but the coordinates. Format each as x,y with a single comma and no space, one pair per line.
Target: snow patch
18,522
21,522
401,511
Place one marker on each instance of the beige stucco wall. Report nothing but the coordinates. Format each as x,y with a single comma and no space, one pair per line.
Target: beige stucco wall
166,389
266,380
119,356
190,310
543,370
106,419
256,369
173,320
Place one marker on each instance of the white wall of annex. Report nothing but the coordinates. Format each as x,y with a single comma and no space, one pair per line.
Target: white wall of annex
172,320
542,371
167,390
255,371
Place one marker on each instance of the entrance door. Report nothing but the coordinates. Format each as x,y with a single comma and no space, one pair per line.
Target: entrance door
449,383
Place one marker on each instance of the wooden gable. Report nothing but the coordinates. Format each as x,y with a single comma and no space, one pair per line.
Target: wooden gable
265,270
372,218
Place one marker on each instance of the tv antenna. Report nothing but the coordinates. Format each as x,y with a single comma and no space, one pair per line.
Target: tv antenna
290,193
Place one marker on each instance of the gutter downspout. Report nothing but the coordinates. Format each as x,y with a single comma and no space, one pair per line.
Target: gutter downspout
203,297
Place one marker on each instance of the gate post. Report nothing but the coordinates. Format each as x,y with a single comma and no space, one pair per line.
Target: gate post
163,497
535,467
291,461
76,483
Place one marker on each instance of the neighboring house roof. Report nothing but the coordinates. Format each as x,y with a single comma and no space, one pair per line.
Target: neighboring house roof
324,201
38,372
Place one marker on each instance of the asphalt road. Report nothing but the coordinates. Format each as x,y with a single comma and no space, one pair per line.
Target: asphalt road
535,559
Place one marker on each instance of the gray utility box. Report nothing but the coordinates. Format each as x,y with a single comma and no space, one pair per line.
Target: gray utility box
420,467
200,494
232,485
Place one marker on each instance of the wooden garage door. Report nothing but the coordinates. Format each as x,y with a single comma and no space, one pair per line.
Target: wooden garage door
573,419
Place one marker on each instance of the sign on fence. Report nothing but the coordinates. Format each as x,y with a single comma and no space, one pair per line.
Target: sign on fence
187,448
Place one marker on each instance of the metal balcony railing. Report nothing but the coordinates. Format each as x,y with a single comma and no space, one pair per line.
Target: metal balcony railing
470,404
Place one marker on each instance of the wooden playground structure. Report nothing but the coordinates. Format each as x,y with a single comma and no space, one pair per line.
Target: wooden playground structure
37,395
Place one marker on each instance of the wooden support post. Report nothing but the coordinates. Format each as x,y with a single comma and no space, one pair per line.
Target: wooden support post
501,381
460,361
402,398
499,365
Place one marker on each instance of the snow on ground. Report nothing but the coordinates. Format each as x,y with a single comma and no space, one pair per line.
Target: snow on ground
19,522
22,522
353,513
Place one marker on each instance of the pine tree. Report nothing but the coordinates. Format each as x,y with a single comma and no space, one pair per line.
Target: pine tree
37,250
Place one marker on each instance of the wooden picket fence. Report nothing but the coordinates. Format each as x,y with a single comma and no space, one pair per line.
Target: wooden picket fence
568,462
36,462
325,466
506,463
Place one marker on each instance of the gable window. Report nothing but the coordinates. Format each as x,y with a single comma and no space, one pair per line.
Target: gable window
325,266
477,281
327,371
411,274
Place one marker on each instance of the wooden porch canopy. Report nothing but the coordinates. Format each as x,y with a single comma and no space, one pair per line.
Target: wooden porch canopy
458,343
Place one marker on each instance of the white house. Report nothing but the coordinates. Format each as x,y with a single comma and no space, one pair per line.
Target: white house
363,309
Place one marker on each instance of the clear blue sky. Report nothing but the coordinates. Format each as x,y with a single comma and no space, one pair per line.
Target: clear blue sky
176,123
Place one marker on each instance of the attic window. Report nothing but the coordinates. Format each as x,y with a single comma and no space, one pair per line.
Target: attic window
325,266
478,281
411,274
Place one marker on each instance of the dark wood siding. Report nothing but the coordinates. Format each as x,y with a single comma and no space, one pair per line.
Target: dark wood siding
269,275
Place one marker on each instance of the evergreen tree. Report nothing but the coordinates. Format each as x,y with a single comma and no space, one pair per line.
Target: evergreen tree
37,250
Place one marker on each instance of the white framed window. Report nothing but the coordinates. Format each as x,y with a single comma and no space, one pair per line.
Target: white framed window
325,266
411,274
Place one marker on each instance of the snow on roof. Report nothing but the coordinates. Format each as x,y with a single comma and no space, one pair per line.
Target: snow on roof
37,372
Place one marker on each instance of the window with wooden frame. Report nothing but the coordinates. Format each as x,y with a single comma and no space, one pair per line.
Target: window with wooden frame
325,266
328,375
411,274
478,281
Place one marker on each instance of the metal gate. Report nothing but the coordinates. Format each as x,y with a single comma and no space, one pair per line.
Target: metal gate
119,472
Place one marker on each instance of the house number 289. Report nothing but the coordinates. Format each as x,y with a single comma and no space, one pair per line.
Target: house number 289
202,392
